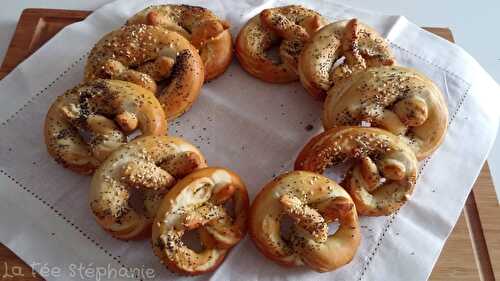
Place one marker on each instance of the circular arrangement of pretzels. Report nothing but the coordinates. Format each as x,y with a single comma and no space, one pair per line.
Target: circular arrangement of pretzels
379,120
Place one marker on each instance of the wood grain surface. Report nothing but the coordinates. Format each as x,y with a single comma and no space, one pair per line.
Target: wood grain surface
467,255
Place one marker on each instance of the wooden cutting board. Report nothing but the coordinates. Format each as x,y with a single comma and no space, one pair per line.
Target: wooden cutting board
467,255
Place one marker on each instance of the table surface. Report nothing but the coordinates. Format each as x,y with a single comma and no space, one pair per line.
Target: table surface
467,255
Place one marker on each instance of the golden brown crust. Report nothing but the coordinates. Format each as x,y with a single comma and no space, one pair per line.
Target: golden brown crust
384,172
137,165
398,99
209,34
311,201
196,202
361,46
147,55
88,107
289,26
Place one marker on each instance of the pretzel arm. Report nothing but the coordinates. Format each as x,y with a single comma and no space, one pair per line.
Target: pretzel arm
283,26
116,70
146,174
158,69
306,217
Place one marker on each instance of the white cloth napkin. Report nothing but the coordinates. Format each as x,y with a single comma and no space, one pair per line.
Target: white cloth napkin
252,127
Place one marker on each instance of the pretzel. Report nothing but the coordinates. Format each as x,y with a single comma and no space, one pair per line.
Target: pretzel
200,26
311,201
148,165
384,170
196,203
85,124
146,55
398,99
290,27
360,45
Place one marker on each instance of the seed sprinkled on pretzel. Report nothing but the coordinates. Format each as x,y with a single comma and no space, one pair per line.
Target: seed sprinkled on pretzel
209,34
148,56
290,27
359,45
142,166
384,170
87,123
197,203
312,201
395,98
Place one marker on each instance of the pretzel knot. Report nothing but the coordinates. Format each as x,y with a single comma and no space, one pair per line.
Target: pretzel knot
87,123
398,99
148,55
384,170
197,203
200,26
290,27
312,202
147,167
320,63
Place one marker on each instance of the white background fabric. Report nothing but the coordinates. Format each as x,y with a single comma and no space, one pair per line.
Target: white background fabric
252,127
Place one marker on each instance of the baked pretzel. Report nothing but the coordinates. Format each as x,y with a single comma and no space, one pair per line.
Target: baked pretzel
145,55
384,172
395,98
290,27
359,44
150,166
85,124
311,201
200,26
197,203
